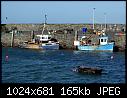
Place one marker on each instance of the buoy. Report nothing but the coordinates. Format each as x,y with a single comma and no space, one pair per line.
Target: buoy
6,58
112,57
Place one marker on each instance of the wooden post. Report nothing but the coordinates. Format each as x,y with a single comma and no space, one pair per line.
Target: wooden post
76,38
65,39
12,38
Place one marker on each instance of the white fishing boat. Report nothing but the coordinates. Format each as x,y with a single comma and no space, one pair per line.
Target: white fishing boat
47,42
42,41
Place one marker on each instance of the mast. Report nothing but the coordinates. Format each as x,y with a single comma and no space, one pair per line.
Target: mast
45,22
43,29
45,19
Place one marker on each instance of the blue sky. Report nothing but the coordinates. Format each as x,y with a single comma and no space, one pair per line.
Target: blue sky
63,12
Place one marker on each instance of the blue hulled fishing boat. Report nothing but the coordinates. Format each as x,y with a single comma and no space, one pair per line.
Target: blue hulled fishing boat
102,44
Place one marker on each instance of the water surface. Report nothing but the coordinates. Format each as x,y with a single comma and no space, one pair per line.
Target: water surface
55,66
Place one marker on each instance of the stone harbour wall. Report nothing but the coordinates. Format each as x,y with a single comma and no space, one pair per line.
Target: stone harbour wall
64,33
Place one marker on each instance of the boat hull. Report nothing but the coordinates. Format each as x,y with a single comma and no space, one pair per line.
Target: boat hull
43,46
107,47
50,47
88,70
30,46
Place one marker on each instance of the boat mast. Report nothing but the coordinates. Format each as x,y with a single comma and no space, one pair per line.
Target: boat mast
44,23
45,19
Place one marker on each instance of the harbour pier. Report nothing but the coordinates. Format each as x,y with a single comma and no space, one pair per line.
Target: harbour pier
64,33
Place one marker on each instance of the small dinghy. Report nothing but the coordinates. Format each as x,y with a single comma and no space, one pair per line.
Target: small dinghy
88,70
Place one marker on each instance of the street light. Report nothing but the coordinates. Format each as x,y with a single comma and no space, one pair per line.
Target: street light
93,17
105,20
6,19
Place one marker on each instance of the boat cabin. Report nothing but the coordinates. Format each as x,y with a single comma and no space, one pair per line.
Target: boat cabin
103,40
43,38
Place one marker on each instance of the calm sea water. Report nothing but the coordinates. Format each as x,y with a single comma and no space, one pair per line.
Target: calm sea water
55,66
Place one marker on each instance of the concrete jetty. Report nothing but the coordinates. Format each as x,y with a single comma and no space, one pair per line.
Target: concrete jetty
64,33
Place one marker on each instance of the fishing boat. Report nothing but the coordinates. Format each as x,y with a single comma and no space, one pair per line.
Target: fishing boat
47,42
29,45
101,44
42,41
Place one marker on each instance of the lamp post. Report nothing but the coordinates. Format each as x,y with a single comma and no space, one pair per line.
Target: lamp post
93,17
6,19
105,21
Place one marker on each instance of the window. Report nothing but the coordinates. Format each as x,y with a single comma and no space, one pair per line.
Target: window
101,40
49,37
105,40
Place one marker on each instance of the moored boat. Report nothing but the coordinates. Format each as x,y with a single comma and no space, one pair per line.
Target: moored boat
101,45
47,42
44,42
88,70
29,45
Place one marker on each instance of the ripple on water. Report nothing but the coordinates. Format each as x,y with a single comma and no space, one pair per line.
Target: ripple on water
31,66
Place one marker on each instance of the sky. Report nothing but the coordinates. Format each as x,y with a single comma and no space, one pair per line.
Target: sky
62,12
